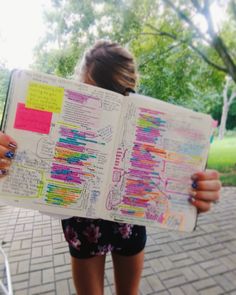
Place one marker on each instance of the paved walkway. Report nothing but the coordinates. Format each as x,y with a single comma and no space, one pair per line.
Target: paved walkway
203,262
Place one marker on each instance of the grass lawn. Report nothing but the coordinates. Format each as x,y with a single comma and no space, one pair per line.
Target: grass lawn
222,157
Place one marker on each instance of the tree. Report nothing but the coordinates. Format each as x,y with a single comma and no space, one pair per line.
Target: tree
4,80
210,45
229,94
170,68
214,39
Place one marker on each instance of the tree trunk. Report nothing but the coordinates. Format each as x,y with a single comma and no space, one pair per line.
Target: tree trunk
223,120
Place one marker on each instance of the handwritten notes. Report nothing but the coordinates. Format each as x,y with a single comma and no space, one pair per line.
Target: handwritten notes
44,97
32,120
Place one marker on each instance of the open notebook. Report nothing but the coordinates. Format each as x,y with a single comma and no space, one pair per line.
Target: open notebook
85,151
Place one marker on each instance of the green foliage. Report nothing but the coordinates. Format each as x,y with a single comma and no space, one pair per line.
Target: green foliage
4,80
222,157
169,69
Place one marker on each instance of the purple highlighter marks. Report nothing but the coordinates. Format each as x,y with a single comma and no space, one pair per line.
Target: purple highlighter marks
79,97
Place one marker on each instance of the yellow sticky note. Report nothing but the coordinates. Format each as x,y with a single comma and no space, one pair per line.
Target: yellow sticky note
44,97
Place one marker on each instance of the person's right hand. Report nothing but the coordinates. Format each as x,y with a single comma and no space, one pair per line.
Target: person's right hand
7,152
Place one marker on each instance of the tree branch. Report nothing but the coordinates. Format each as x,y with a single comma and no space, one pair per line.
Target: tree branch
233,8
189,43
225,90
184,17
197,5
216,41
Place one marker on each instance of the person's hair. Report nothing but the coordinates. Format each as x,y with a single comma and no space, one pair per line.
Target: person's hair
110,66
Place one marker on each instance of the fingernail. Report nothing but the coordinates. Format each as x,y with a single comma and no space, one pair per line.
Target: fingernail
194,184
9,155
12,145
194,177
3,171
192,193
191,199
4,161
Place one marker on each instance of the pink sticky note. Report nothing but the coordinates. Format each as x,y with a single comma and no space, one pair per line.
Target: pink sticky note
32,120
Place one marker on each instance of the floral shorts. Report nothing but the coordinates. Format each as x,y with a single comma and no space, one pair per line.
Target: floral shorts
90,237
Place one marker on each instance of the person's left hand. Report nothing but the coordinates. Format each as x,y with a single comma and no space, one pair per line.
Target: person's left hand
205,189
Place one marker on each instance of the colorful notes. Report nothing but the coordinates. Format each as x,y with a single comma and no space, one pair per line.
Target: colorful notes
44,97
32,120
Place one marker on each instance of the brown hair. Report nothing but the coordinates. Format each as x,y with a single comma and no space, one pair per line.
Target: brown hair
110,66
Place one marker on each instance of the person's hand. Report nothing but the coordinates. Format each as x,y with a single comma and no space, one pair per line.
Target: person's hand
7,152
205,190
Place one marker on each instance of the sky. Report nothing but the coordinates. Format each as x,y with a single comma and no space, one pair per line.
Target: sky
21,26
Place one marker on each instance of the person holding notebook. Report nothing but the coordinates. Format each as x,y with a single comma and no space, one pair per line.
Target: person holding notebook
110,66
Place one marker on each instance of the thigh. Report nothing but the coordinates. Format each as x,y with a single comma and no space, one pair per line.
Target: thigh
128,270
88,275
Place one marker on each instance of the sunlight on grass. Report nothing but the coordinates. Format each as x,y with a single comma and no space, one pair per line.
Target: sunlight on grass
222,157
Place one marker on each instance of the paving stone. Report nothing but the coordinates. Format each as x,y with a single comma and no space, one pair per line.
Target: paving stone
35,278
169,274
58,259
107,290
206,283
176,291
212,291
177,281
63,275
20,292
71,286
47,250
42,289
155,283
15,245
183,262
189,274
48,275
36,252
21,285
146,271
26,243
23,266
200,272
41,266
179,256
209,264
202,262
19,278
223,282
144,287
63,268
189,290
220,269
42,259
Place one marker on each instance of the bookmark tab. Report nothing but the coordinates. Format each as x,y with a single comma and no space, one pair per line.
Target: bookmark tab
44,97
32,120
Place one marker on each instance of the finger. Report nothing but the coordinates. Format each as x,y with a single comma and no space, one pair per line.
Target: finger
207,185
202,206
205,175
3,172
4,163
6,153
7,141
207,196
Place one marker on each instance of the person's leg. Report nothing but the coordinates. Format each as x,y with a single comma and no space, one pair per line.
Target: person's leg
127,271
88,275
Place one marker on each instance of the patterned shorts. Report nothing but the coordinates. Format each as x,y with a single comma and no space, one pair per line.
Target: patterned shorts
90,237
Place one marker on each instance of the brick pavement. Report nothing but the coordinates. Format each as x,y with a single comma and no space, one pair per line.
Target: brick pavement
203,262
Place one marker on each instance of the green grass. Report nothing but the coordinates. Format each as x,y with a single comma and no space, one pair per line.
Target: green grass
222,157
